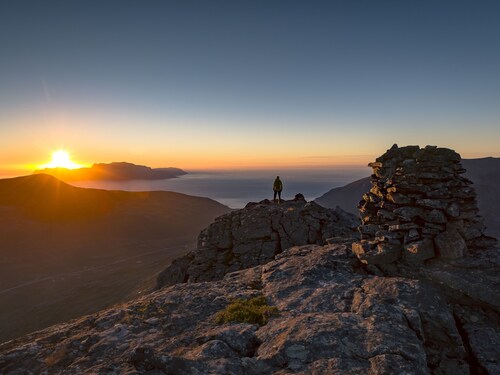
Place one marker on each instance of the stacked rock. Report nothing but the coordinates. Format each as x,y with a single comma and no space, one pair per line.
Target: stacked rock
419,207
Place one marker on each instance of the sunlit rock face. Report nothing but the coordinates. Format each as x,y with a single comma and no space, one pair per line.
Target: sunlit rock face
255,235
419,207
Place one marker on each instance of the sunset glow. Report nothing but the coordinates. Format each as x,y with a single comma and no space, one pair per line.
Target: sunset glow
327,86
61,159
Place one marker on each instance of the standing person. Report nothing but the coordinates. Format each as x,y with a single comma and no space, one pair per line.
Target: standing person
277,187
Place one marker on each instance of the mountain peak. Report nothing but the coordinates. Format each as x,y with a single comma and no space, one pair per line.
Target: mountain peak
113,171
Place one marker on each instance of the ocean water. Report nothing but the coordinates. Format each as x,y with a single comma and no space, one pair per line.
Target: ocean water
236,188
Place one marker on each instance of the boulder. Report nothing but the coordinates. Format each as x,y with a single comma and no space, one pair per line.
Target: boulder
419,251
371,252
450,244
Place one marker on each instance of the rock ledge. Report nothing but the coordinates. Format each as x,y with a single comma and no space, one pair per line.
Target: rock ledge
255,235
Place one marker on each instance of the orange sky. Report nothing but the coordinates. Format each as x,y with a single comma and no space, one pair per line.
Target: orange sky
28,140
29,137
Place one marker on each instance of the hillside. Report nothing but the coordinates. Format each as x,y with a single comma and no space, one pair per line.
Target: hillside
484,172
346,197
67,251
116,171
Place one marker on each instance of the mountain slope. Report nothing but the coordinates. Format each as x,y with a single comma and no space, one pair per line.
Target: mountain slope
67,251
346,197
485,173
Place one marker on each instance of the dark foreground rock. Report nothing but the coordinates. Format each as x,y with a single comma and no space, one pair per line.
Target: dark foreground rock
255,235
334,318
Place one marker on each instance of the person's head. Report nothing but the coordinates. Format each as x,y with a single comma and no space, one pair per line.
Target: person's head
277,177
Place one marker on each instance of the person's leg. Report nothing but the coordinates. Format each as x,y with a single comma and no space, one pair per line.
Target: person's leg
274,199
279,196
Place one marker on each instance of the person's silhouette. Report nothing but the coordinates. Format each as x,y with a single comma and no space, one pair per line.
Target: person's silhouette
277,188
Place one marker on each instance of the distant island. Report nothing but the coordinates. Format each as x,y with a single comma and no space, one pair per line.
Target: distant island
116,171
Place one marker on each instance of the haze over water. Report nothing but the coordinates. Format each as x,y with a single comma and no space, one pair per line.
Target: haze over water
236,188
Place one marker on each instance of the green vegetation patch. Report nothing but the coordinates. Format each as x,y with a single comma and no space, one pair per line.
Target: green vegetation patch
254,311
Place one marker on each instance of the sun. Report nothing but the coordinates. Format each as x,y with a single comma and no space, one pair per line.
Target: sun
61,159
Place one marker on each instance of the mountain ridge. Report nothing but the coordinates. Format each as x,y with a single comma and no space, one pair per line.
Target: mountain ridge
115,171
44,196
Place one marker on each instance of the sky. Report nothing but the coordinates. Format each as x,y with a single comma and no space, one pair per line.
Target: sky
246,84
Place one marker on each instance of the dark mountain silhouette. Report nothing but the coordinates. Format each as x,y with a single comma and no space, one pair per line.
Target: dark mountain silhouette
67,251
346,197
484,172
116,171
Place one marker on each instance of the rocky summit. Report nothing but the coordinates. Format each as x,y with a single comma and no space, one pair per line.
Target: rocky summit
419,207
327,309
255,235
333,318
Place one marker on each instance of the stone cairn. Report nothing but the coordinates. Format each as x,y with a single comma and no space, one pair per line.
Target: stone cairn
419,207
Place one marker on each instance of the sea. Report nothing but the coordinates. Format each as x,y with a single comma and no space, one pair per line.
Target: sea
235,188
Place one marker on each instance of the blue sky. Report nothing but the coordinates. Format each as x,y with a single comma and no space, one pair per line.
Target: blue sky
235,83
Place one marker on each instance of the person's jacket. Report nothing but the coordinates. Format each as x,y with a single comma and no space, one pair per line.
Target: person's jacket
278,186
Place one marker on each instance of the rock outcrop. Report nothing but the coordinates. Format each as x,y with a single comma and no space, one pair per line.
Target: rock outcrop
255,235
334,318
419,207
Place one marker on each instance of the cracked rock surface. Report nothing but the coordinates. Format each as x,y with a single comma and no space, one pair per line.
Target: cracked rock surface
335,317
255,235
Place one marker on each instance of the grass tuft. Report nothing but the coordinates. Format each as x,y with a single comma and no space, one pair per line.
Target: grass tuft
254,311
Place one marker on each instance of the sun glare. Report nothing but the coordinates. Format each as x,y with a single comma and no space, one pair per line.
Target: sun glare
61,159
